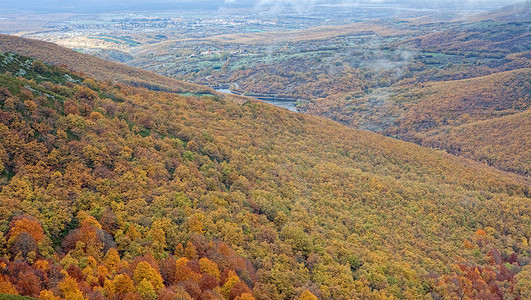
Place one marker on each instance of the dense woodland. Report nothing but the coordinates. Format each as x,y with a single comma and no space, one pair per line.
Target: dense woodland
414,79
483,118
120,192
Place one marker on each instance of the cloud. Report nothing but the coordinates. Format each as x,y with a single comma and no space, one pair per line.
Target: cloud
305,5
276,5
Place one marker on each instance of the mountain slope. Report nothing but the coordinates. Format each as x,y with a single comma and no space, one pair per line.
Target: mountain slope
95,67
417,112
485,38
306,203
504,142
519,12
413,82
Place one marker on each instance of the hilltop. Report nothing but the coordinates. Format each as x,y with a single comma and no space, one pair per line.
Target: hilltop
519,12
95,67
114,191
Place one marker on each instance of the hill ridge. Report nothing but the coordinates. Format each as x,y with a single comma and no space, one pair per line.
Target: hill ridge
96,67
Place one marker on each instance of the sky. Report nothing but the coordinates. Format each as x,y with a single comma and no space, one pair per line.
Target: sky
47,6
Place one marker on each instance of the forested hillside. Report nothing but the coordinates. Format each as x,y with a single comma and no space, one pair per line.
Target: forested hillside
112,191
95,67
409,78
504,142
423,113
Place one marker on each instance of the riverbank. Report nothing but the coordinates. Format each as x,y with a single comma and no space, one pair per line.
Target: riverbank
285,102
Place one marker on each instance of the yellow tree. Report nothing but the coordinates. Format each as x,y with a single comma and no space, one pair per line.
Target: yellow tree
209,267
231,281
6,287
70,289
307,295
122,284
48,295
246,296
111,259
145,271
145,289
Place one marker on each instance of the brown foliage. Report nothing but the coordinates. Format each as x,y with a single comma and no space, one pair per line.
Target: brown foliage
28,224
28,284
192,288
208,282
238,289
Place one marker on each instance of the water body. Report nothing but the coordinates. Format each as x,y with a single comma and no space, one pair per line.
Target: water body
286,104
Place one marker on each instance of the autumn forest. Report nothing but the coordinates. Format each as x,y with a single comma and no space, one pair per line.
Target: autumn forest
119,183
